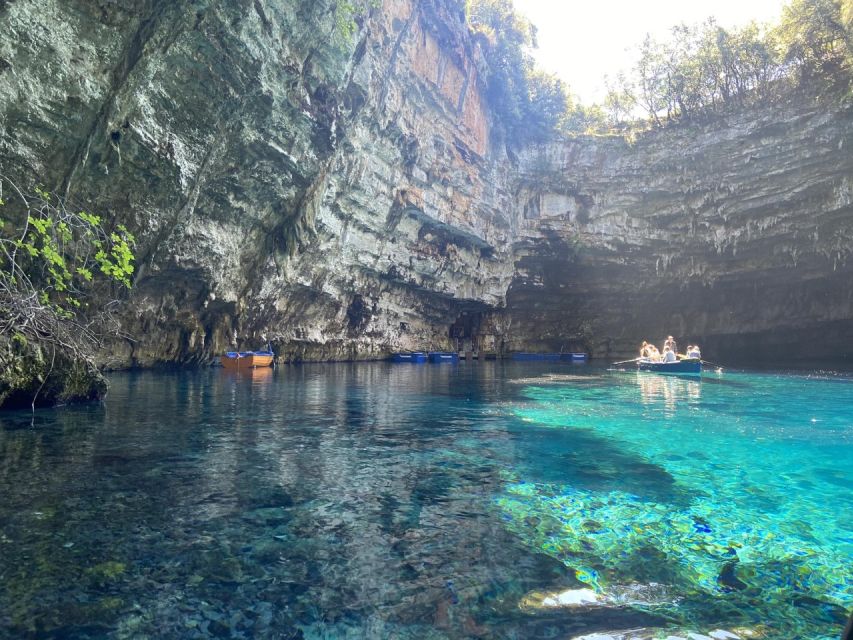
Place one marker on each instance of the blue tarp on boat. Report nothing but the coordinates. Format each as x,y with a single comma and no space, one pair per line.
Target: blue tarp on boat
689,367
443,356
414,356
246,354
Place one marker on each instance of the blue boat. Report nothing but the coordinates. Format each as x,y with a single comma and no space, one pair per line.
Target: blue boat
410,356
686,367
536,356
550,357
443,356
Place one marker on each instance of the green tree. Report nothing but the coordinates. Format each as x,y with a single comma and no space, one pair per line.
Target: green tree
584,119
814,36
652,79
530,102
546,105
347,15
507,37
620,101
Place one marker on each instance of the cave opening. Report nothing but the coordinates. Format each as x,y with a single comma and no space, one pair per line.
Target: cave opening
469,336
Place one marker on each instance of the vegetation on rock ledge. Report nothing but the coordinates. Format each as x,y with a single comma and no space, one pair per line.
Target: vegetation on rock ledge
54,264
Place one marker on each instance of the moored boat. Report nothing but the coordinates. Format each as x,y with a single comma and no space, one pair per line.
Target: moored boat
550,357
686,367
247,359
409,356
443,356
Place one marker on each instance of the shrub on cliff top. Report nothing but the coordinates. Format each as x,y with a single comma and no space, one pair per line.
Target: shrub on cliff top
530,103
698,69
704,68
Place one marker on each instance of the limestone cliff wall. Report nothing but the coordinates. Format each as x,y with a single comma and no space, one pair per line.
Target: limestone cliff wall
344,197
337,196
736,233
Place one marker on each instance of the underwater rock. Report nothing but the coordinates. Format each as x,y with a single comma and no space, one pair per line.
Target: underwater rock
616,595
568,598
632,525
633,634
657,634
106,571
651,594
728,578
572,598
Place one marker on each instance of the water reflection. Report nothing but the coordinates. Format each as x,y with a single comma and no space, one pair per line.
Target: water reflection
358,501
317,501
257,374
666,391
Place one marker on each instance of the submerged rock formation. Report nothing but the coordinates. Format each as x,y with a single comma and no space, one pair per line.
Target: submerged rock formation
343,197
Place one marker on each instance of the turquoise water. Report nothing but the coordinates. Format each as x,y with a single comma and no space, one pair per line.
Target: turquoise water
746,502
419,501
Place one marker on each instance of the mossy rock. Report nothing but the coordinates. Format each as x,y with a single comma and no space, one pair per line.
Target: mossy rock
29,371
107,571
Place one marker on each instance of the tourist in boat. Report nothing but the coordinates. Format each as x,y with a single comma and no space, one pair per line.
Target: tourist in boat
654,354
644,349
693,352
670,342
668,355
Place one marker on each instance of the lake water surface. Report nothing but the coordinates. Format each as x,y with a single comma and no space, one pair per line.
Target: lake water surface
430,501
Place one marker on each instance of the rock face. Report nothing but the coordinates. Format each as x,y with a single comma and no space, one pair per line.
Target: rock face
343,197
336,196
32,376
737,234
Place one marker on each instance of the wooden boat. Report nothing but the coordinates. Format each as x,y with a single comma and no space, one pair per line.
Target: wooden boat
409,356
247,359
686,367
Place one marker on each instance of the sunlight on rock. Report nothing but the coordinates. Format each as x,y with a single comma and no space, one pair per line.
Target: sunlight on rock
567,598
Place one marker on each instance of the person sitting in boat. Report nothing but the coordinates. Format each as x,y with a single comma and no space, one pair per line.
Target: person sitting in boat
668,355
654,354
670,342
644,349
693,352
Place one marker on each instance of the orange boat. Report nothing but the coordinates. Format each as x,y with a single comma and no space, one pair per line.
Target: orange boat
247,359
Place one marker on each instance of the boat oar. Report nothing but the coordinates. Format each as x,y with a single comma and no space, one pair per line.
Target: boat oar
713,364
626,361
